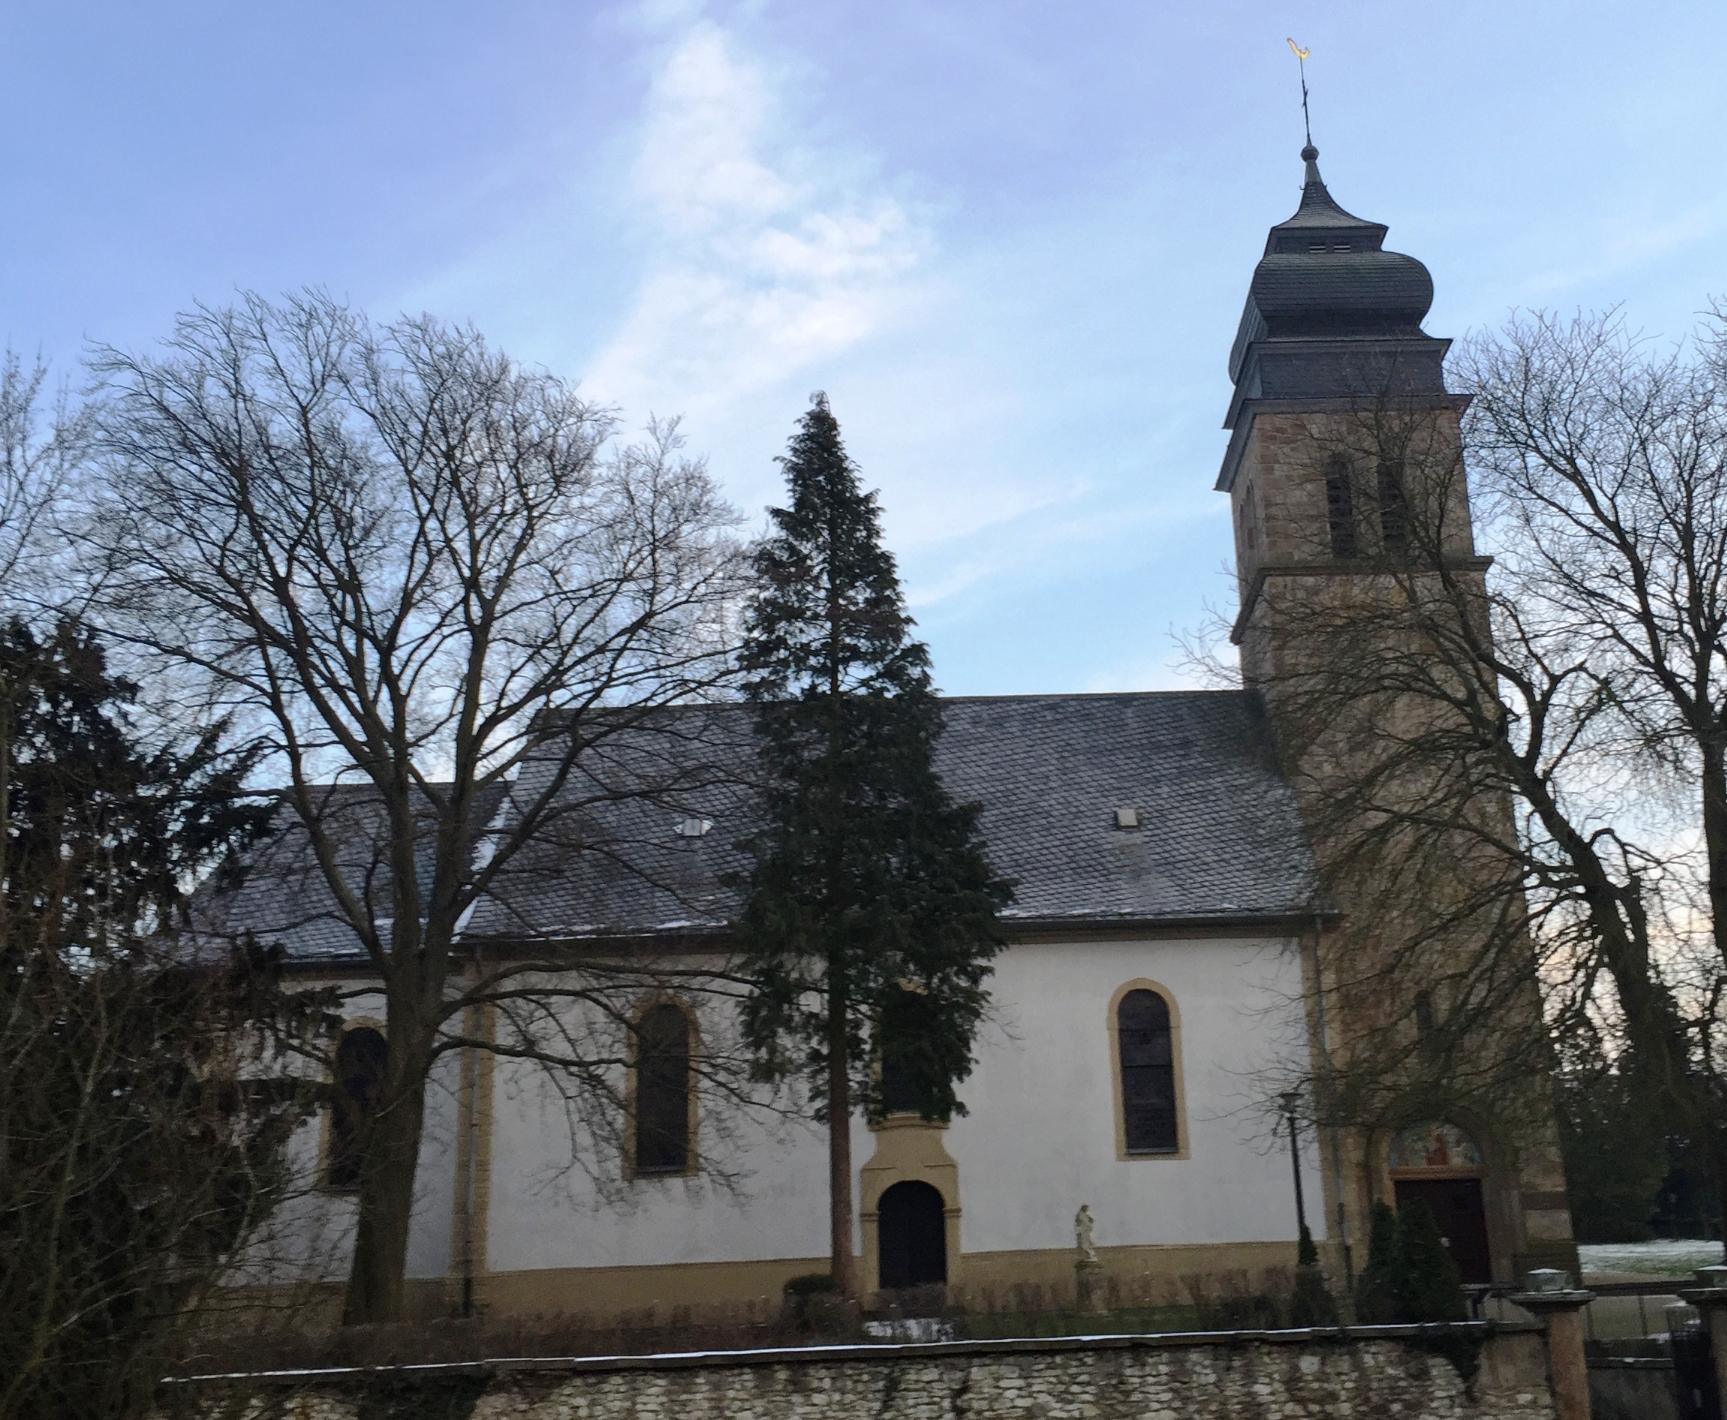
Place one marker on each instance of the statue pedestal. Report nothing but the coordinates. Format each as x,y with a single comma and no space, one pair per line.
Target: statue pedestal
1088,1285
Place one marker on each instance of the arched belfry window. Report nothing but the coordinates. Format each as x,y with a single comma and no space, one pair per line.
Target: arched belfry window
1145,1046
1393,508
663,1097
1249,520
362,1055
1340,506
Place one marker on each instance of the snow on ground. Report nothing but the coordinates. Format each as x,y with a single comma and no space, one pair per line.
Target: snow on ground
1665,1257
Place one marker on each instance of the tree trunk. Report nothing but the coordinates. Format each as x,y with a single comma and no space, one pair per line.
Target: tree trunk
390,1155
841,1262
7,692
1715,834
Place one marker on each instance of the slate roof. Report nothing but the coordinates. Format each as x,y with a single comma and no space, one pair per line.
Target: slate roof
1220,835
283,897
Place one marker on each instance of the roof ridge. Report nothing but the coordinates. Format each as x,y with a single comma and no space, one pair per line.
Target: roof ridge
1101,694
1170,694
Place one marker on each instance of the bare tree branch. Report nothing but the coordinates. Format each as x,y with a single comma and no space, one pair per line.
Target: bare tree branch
411,568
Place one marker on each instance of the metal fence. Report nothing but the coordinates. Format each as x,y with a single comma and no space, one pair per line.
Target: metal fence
1621,1311
1647,1309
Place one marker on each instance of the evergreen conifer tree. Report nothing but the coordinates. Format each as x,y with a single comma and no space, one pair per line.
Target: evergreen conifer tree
870,891
134,1153
1310,1302
1376,1288
1429,1287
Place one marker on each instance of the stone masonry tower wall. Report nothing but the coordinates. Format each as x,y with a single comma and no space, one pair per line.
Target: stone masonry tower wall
1346,479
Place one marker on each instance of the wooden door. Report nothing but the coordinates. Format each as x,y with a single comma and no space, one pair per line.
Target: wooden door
913,1236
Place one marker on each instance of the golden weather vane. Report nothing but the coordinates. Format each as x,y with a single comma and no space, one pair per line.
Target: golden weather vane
1301,63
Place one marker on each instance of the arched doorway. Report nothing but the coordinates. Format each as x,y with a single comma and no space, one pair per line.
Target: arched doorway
913,1231
1440,1165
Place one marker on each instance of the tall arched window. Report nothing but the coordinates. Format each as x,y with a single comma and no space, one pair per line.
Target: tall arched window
1340,506
910,1067
662,1103
1146,1042
361,1058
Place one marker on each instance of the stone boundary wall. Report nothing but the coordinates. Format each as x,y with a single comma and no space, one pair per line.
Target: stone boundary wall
1369,1372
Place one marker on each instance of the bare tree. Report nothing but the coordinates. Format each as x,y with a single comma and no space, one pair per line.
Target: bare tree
40,452
412,566
1520,770
41,448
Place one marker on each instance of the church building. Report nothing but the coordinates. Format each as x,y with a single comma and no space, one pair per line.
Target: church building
1161,993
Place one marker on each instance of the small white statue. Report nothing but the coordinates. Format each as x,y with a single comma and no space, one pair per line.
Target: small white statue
1082,1226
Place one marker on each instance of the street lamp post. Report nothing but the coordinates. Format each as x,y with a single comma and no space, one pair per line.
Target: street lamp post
1292,1102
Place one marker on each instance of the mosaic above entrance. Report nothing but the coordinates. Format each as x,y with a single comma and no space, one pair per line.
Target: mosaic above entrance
1433,1146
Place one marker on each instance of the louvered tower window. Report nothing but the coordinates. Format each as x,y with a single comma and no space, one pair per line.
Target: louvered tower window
1340,507
1393,508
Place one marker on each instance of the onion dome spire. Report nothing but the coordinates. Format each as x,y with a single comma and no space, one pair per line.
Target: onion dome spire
1326,276
1330,314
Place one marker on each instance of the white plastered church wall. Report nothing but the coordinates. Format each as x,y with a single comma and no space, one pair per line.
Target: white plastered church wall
1039,1140
310,1237
761,1196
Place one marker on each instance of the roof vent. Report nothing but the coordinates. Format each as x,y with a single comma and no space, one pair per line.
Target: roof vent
1127,818
692,827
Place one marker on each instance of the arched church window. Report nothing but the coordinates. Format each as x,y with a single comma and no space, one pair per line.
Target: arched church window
362,1055
1145,1041
663,1090
909,1025
1340,506
1393,508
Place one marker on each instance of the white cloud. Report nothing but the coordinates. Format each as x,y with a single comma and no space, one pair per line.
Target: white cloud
764,259
771,264
707,111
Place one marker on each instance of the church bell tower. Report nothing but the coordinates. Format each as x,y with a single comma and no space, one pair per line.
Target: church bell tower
1351,514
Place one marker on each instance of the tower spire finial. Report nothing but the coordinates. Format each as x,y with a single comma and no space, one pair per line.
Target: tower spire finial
1309,152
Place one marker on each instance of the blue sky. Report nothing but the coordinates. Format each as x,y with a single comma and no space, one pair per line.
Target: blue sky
1010,239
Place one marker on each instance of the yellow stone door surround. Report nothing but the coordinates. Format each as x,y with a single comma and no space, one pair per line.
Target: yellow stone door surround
907,1149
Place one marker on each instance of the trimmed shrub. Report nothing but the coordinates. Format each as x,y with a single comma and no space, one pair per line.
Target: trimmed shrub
1311,1302
1376,1289
812,1304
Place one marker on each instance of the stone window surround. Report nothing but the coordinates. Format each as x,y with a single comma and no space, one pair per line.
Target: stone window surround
1182,1141
692,1152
